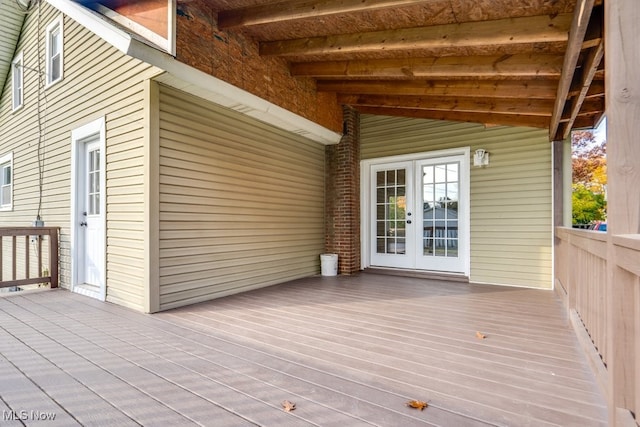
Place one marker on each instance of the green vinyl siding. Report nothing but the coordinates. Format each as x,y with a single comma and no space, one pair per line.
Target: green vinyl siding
510,207
241,202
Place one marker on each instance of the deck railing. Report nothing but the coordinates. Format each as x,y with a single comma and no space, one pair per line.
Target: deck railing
592,271
25,259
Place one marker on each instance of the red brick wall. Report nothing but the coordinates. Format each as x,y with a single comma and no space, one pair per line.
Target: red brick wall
342,196
233,57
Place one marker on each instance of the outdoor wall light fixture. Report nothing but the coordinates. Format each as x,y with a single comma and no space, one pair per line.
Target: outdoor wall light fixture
480,158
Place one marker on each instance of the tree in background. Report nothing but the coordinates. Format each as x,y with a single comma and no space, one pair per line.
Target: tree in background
589,165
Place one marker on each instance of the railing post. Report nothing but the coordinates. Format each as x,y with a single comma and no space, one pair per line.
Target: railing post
39,255
53,257
26,257
13,257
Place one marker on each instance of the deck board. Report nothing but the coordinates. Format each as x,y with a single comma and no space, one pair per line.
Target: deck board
349,351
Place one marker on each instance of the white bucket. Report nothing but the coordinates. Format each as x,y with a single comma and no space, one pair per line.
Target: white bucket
329,264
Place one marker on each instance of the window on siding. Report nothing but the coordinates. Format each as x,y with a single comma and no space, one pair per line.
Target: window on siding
6,181
17,82
54,55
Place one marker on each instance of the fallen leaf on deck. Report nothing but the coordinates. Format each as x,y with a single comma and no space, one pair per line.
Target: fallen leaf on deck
417,404
480,335
288,406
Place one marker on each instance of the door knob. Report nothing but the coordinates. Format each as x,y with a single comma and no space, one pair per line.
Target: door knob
83,224
408,221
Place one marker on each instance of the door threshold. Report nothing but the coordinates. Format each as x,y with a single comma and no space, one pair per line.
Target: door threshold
420,274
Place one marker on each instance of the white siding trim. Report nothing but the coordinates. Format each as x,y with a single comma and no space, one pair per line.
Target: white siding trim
172,27
78,135
152,197
203,85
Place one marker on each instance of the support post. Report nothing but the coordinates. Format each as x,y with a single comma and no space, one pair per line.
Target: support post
622,59
342,189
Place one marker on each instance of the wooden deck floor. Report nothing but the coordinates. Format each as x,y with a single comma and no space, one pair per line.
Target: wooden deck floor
349,351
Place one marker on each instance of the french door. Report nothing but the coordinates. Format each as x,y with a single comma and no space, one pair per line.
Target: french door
418,214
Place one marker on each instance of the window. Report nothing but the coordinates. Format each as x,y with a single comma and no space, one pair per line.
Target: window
6,181
54,66
17,82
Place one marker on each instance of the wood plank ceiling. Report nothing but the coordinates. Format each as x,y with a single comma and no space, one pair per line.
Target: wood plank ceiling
498,62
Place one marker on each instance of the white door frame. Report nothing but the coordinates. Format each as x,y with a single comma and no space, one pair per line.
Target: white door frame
79,136
365,199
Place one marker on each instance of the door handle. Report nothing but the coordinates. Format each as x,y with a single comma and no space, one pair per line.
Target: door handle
408,221
83,224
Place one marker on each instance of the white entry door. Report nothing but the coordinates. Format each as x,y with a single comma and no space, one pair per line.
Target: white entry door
91,217
88,216
419,214
392,224
440,231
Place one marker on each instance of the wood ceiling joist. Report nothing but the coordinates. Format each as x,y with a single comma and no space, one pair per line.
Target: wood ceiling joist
590,121
591,106
579,25
596,90
484,118
536,89
482,67
469,105
502,32
299,9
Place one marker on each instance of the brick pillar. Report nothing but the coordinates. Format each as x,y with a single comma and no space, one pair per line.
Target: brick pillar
342,196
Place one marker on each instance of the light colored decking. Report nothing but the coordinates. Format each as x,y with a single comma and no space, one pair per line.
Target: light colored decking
348,351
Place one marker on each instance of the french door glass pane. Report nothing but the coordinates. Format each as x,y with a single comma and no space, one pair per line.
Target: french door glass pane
94,182
440,195
391,205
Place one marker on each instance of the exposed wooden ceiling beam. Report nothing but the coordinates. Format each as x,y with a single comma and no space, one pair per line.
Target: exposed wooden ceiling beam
298,9
502,32
579,25
537,89
589,69
488,67
469,105
483,118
